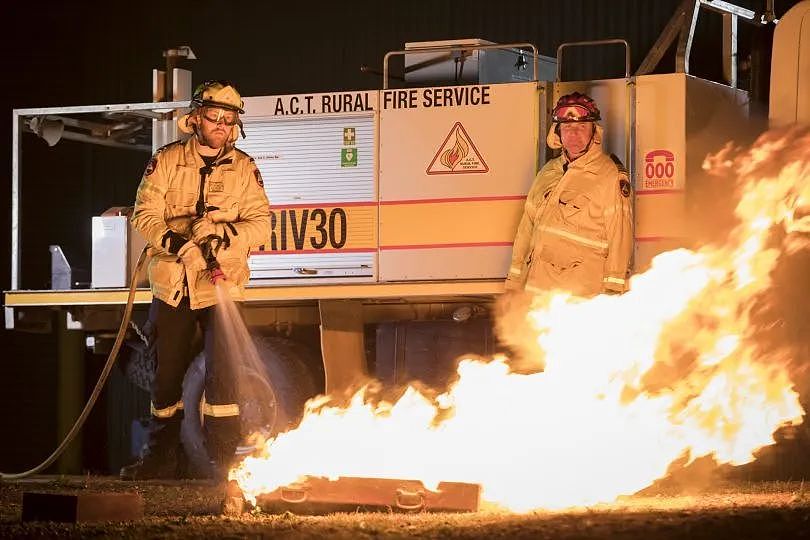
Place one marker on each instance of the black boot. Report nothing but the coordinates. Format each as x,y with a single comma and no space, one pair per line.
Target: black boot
222,438
159,459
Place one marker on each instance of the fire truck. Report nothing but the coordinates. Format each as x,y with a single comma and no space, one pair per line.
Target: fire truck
393,211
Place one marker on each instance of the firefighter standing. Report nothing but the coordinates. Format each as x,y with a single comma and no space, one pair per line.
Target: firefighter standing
201,205
576,233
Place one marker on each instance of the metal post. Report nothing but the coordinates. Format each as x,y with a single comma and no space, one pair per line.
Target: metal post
70,391
630,151
730,22
769,16
690,15
15,200
630,128
342,344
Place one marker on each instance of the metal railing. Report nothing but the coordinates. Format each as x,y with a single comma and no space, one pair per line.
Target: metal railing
592,43
461,49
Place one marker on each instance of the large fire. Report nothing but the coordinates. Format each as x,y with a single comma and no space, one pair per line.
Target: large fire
631,383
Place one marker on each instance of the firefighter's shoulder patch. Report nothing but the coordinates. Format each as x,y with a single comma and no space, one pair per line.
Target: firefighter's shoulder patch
151,166
624,187
258,176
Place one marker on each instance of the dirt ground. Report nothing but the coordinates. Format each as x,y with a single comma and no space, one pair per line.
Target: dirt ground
191,509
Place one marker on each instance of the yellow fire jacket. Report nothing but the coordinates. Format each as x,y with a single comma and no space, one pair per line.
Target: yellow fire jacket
576,233
167,198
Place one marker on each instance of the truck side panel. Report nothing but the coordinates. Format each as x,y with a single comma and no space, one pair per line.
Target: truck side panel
455,166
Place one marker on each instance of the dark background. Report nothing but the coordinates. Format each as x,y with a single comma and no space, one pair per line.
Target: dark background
91,53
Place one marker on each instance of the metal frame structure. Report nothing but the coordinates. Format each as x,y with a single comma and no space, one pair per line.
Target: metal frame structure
462,49
100,134
563,46
683,23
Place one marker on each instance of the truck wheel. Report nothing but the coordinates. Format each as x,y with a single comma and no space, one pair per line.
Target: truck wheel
274,400
139,365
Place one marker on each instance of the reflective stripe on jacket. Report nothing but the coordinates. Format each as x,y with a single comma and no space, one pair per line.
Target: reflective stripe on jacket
576,233
167,198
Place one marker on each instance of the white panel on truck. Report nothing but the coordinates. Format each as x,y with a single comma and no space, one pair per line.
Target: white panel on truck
316,155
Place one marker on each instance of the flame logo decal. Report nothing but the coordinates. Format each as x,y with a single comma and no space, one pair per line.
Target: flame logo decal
452,156
457,154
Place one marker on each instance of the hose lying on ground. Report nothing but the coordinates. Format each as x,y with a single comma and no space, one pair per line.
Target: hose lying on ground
102,379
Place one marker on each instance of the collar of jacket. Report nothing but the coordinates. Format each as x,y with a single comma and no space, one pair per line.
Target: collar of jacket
192,159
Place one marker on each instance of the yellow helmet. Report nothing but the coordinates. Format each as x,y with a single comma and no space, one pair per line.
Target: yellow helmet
220,94
217,94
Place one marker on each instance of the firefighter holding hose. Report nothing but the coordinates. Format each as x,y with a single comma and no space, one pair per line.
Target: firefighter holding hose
201,205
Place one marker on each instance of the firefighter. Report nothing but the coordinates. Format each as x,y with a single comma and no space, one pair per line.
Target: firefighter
576,233
201,205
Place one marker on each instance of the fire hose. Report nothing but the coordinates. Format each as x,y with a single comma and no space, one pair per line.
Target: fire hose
102,379
209,248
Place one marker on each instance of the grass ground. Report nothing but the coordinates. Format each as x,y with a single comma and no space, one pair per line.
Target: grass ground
192,510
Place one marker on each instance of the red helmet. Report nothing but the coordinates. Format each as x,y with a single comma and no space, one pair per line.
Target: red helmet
575,107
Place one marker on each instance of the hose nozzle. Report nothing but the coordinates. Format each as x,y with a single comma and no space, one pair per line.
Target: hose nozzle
217,274
209,248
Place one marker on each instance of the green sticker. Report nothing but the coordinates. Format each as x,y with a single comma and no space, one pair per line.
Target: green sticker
348,157
348,136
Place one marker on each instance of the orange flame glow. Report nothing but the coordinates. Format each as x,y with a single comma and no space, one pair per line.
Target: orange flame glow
631,382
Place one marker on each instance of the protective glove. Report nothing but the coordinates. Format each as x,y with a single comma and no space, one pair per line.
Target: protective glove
192,257
203,227
172,241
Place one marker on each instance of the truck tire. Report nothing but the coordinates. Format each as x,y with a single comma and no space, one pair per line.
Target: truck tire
286,383
139,365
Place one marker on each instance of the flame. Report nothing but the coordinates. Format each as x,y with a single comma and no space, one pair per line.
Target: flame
670,369
452,156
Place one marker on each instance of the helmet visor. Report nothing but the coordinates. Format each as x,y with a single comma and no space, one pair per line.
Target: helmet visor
215,115
573,113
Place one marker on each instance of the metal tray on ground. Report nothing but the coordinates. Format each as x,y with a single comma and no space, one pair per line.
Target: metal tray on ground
317,495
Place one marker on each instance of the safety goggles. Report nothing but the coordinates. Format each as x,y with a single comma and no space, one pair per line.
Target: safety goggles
215,115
